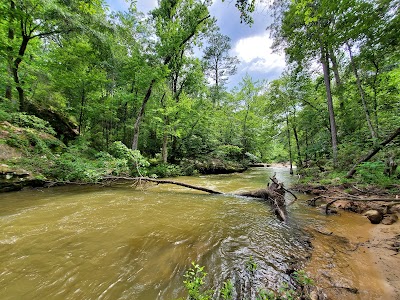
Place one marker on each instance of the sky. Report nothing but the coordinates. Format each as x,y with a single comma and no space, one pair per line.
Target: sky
251,44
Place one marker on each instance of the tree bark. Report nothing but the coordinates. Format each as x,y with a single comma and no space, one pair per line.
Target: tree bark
327,81
290,145
8,93
140,115
373,152
362,93
338,80
83,99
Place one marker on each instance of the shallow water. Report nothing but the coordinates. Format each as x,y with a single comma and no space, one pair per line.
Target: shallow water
121,243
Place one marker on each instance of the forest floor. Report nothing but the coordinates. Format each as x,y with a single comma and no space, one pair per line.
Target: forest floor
352,258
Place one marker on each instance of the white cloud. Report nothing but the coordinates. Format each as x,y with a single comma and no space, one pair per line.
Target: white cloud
146,5
256,55
118,5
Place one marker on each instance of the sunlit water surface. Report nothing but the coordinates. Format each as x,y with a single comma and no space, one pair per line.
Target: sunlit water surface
121,243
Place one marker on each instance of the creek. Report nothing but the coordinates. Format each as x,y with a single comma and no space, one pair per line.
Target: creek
80,242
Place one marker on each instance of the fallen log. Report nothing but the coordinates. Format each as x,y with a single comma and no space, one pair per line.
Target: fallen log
138,179
374,151
312,201
274,193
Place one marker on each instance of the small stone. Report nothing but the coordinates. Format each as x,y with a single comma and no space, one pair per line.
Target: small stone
374,216
389,219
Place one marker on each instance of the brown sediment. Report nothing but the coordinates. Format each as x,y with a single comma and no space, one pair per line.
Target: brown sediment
350,259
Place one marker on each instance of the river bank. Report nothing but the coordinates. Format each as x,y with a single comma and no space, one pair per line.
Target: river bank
353,258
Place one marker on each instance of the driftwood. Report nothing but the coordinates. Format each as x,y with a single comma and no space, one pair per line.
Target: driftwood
274,193
374,151
351,198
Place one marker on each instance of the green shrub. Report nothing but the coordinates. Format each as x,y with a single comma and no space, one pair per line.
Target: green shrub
4,116
69,167
136,161
166,170
230,152
373,173
195,280
30,121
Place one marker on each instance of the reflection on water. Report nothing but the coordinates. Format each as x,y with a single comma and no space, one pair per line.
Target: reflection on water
121,243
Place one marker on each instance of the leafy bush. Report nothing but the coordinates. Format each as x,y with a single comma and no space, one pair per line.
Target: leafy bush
70,167
195,280
166,170
135,160
230,152
4,116
373,173
30,121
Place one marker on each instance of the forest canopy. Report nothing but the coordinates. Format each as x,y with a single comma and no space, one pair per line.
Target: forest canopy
100,78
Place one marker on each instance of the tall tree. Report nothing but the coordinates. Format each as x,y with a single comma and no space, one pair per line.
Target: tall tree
34,19
218,63
177,23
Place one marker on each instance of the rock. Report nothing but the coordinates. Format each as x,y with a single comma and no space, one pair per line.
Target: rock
317,294
16,179
374,216
389,219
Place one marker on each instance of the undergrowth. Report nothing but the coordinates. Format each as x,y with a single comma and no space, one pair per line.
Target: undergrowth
194,283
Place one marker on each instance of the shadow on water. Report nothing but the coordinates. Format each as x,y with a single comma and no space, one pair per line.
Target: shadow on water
120,243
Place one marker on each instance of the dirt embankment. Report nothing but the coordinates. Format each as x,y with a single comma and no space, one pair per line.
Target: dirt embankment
353,258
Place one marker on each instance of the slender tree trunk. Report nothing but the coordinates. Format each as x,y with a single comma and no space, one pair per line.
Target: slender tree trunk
338,80
306,146
245,138
8,94
83,100
362,93
327,81
299,162
18,60
140,115
164,150
375,88
290,145
125,120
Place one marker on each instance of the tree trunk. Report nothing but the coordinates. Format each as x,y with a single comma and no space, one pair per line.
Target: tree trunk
338,81
289,144
327,81
18,60
164,151
82,110
140,116
8,94
299,161
373,152
375,88
362,93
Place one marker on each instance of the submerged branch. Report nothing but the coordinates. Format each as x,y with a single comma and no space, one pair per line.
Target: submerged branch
274,194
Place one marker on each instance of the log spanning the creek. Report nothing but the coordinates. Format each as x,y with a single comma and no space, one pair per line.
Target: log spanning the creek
274,193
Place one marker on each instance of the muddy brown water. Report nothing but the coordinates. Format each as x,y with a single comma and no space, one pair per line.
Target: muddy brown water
121,243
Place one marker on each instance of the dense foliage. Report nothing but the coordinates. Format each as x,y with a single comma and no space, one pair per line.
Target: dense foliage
125,82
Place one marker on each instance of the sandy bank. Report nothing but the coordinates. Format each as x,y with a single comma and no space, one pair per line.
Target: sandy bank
354,259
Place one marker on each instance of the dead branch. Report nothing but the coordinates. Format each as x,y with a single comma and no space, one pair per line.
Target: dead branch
139,179
312,201
374,151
